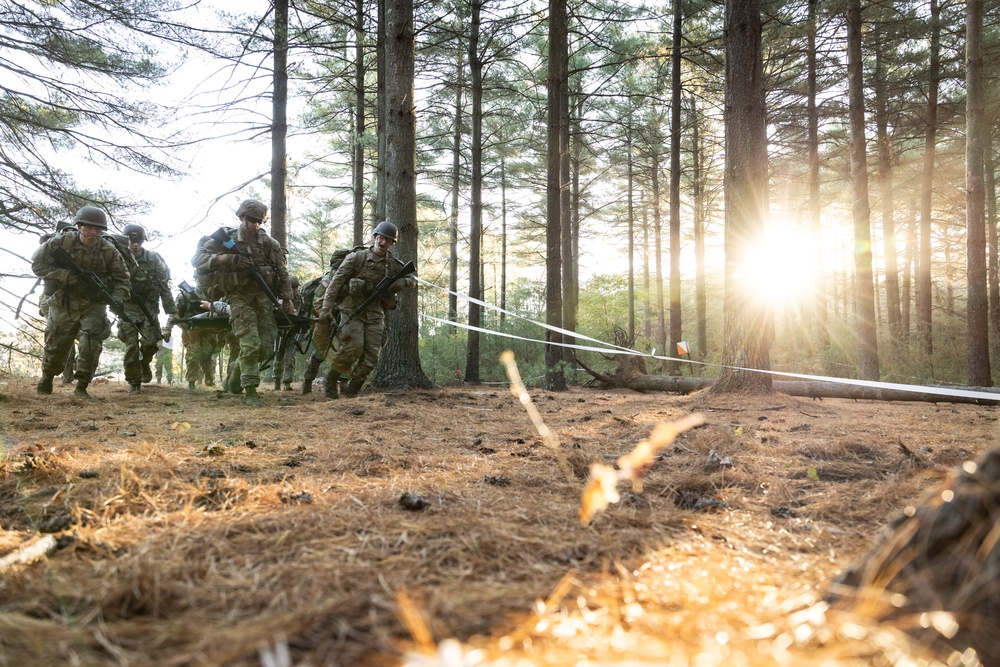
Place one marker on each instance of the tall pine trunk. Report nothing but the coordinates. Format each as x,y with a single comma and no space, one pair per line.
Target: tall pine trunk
399,364
279,126
975,201
698,194
676,325
748,325
475,199
885,195
358,154
456,179
558,99
868,367
924,295
821,320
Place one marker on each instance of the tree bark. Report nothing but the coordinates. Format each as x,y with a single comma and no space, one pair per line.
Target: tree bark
868,366
676,325
279,126
885,196
475,199
557,89
975,201
748,323
358,154
803,388
924,295
821,320
399,364
456,184
698,194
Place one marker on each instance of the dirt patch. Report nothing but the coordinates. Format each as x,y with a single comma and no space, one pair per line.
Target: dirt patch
369,531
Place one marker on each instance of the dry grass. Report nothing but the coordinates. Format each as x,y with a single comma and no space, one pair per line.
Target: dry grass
192,531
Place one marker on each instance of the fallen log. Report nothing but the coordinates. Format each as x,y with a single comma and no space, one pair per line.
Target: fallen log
804,388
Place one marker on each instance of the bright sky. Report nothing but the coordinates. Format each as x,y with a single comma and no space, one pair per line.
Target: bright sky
181,210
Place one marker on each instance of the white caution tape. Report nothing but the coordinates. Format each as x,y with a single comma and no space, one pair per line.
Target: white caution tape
617,349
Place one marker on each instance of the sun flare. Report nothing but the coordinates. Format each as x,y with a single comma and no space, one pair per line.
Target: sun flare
781,269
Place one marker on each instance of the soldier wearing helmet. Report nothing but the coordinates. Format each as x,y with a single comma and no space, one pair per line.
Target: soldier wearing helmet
150,286
360,338
251,316
74,313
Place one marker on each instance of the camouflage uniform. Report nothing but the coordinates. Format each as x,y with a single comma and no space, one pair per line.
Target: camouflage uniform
151,284
251,315
201,344
360,339
165,363
73,312
284,366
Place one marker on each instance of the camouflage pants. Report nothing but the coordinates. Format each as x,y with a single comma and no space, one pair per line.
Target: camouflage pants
359,343
87,324
165,364
200,348
321,342
288,374
139,350
252,321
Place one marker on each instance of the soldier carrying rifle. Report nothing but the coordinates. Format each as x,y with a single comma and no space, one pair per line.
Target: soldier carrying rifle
150,286
248,267
83,274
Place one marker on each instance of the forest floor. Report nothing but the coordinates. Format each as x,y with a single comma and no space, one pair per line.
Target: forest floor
437,528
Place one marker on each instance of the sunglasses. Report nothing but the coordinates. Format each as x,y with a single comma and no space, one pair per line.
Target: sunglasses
254,221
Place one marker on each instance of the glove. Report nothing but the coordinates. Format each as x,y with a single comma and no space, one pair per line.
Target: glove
240,262
166,332
323,314
287,307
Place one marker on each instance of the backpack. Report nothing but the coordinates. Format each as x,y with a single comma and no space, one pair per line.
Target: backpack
207,280
121,245
317,286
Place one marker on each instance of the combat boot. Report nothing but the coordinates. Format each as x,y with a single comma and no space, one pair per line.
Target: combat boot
330,389
45,384
252,400
288,386
353,387
134,388
277,384
191,386
81,389
147,372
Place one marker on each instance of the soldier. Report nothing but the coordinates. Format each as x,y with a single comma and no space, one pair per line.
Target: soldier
201,344
251,315
360,338
150,286
74,312
43,307
284,359
165,360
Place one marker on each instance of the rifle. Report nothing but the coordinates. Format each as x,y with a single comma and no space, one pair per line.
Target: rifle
376,293
207,320
222,236
94,285
187,289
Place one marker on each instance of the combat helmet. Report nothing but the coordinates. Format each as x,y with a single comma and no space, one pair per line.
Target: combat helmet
386,229
134,232
91,215
253,208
